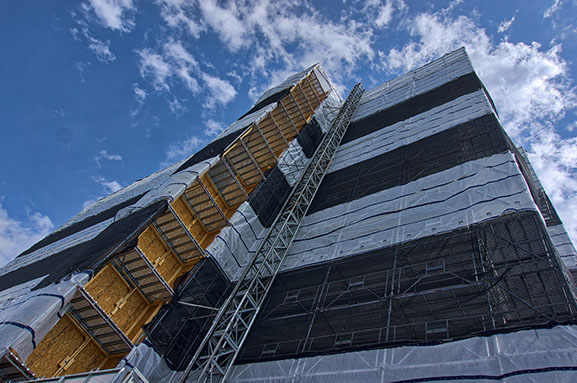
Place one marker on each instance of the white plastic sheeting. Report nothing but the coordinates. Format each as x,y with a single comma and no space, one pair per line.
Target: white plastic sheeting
524,356
563,245
171,188
293,160
413,83
323,79
292,163
235,245
290,81
149,364
56,247
328,110
436,120
248,120
124,194
466,194
26,320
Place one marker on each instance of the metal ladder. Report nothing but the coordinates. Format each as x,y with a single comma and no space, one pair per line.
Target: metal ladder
214,358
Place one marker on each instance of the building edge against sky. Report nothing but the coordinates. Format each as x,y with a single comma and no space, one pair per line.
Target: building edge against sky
430,249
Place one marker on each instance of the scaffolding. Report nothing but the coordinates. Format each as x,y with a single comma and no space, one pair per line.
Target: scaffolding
222,342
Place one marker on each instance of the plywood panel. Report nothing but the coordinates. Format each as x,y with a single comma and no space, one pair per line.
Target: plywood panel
170,268
89,358
107,288
60,344
151,244
184,212
132,305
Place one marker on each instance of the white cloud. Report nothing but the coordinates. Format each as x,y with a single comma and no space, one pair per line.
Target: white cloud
175,64
531,87
178,14
154,67
555,162
114,14
221,91
176,107
382,14
108,186
290,33
16,235
104,155
505,25
184,64
101,49
139,93
182,149
226,22
213,128
549,11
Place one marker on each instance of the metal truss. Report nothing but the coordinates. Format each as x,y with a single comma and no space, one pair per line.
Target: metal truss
220,347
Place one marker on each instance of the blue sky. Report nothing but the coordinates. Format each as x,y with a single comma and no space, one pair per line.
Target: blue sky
96,94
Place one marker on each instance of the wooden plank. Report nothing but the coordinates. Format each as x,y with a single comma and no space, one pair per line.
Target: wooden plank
60,344
107,288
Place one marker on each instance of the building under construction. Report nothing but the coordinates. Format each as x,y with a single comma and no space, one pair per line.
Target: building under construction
397,235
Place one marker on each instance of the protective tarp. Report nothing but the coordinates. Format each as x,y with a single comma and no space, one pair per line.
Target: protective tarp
413,106
472,140
116,198
463,195
323,79
235,245
290,81
446,116
150,364
89,254
270,196
430,76
26,319
292,163
531,355
310,136
171,188
248,120
179,328
56,247
329,110
563,245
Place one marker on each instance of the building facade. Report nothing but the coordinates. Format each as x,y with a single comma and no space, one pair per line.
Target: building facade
430,251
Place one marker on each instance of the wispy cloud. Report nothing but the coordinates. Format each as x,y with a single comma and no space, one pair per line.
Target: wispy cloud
174,64
287,33
139,93
104,155
155,68
505,25
182,149
18,235
101,49
221,91
551,10
113,14
108,187
213,128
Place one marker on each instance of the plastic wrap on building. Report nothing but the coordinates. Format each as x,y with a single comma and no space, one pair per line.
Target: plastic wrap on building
542,355
24,321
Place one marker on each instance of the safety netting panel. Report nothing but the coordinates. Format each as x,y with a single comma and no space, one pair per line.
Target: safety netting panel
499,275
179,327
